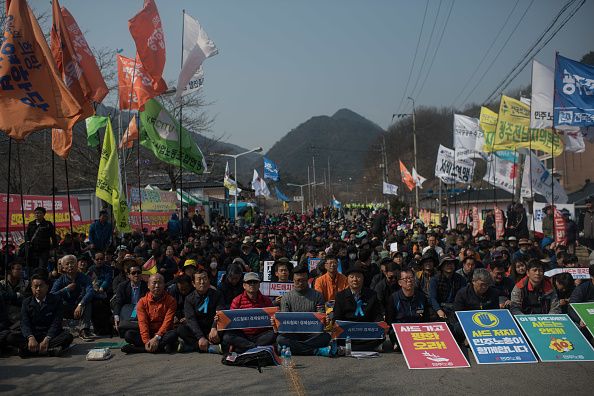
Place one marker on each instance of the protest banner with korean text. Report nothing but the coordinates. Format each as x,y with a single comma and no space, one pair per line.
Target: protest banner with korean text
429,345
555,338
586,313
494,337
30,202
359,330
312,263
300,322
251,318
576,273
275,289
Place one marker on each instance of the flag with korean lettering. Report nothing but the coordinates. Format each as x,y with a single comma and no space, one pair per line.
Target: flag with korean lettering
160,133
32,93
429,346
573,104
147,31
134,84
270,170
494,337
109,186
468,137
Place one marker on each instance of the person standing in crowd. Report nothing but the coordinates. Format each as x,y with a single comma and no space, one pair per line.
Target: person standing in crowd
586,225
100,233
40,239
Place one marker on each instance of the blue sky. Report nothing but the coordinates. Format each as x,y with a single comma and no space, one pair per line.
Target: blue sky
282,62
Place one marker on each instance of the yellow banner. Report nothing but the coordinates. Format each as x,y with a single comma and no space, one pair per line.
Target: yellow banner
513,130
488,124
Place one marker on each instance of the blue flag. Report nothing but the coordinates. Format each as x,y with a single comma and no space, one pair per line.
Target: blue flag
270,170
280,196
573,103
336,203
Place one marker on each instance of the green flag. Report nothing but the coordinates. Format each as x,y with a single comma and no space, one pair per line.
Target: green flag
160,132
109,187
94,123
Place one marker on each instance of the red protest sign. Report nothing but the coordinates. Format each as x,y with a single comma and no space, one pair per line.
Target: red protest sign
429,345
560,228
499,227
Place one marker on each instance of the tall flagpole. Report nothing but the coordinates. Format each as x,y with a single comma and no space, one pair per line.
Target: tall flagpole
21,187
68,195
6,233
54,203
181,117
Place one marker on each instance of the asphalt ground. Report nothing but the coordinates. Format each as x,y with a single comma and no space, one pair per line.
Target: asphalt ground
195,373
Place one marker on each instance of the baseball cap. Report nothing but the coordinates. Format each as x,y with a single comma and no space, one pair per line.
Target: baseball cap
251,276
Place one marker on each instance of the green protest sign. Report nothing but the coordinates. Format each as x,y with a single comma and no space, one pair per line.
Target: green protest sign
586,313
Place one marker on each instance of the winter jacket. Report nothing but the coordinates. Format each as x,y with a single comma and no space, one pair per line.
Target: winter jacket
525,299
155,316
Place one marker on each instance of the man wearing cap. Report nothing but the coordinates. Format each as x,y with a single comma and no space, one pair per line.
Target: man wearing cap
249,256
357,303
332,281
525,252
100,233
242,340
586,225
534,294
444,286
512,244
199,333
389,284
127,295
427,272
304,299
40,238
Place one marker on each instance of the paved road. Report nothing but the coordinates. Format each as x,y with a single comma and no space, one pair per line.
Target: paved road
204,374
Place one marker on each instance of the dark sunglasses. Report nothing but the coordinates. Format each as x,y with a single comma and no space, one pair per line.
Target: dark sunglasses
252,282
134,272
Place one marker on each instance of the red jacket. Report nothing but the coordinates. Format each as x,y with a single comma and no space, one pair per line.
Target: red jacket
244,302
155,317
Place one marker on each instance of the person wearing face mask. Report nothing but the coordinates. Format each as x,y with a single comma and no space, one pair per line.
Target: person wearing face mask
199,333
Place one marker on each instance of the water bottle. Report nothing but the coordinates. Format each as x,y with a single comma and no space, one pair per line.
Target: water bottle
288,357
283,355
347,347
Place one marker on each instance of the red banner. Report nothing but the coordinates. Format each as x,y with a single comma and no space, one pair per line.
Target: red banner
30,202
560,228
476,221
429,345
499,226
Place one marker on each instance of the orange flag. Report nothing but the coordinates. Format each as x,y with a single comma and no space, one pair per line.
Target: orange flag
133,71
147,32
61,142
32,94
86,60
406,177
130,135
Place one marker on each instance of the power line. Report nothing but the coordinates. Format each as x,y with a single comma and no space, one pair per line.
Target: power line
427,49
499,53
437,48
526,58
414,57
507,19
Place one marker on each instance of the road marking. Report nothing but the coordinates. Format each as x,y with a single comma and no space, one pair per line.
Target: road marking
294,380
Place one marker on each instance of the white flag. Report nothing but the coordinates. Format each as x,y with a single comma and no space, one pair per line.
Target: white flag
390,189
466,134
450,169
259,186
543,182
229,183
419,180
541,105
501,174
198,47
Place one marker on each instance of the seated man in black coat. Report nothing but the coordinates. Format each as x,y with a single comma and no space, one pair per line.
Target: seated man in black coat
41,323
125,299
4,325
357,303
199,333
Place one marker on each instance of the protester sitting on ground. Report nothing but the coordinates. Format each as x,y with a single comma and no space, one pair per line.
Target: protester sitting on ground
564,285
241,340
534,294
332,281
387,286
381,275
199,332
179,290
304,299
5,325
443,288
518,270
155,311
76,292
126,297
231,285
14,289
41,322
423,277
468,265
406,305
101,275
502,283
357,303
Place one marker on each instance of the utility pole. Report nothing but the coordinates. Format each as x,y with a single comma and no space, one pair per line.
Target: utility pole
313,158
415,152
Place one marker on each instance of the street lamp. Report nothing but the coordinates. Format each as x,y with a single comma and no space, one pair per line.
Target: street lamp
301,191
235,156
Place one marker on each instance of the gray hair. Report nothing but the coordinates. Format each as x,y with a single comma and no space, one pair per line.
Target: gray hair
68,258
481,274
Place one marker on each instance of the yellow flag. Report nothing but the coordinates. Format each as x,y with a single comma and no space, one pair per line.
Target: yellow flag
513,130
488,124
108,186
